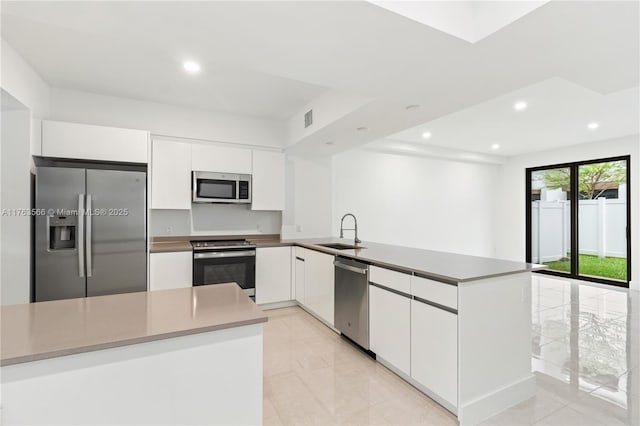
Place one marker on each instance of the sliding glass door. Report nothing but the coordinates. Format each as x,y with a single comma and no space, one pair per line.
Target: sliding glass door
551,218
578,219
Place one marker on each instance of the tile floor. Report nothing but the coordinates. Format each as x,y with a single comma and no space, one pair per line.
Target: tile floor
585,356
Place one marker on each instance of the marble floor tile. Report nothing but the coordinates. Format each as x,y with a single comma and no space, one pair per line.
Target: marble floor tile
527,412
585,357
568,416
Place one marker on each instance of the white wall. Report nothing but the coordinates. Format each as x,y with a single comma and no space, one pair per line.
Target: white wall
24,95
15,239
308,200
510,213
22,82
413,201
163,119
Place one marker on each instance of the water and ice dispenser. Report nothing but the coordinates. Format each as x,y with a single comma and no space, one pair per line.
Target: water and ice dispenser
62,232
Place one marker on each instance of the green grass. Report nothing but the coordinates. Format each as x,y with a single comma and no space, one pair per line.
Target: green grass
614,268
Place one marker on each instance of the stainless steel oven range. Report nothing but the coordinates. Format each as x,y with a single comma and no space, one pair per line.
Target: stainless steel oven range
216,262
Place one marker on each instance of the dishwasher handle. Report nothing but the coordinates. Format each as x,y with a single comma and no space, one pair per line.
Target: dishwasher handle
349,267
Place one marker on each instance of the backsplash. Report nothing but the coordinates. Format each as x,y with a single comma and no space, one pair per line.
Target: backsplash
218,219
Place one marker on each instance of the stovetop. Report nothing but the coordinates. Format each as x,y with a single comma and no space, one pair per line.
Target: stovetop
221,244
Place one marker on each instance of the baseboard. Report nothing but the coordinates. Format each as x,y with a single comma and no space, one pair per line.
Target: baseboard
316,316
434,396
475,411
278,305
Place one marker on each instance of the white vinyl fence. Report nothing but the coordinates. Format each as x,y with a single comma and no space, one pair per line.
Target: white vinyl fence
601,228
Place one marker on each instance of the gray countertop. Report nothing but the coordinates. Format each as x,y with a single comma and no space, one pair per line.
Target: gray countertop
44,330
442,266
437,265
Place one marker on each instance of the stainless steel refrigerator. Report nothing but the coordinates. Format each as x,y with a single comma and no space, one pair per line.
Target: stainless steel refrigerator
90,232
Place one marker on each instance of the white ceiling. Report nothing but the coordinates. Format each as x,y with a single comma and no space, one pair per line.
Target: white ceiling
102,60
557,114
467,19
272,58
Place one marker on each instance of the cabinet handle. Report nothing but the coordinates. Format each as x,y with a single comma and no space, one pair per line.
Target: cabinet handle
390,290
80,237
350,268
300,259
436,305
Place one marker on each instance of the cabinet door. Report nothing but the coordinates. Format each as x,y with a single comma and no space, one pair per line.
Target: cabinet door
319,284
273,274
171,175
299,277
267,181
434,350
170,270
88,142
211,158
390,327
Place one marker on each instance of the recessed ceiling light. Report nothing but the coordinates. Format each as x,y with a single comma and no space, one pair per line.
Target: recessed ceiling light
520,105
191,66
495,146
412,106
362,128
593,126
426,135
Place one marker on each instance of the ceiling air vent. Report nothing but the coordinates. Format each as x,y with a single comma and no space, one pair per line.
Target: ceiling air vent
308,118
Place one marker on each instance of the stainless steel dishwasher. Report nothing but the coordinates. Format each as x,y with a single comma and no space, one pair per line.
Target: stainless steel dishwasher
352,300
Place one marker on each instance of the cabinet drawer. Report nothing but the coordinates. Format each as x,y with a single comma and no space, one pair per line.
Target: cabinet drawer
391,279
434,291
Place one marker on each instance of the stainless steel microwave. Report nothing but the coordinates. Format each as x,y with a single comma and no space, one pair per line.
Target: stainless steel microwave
221,188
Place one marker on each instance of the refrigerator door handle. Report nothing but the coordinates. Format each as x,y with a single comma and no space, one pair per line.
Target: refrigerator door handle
81,235
88,236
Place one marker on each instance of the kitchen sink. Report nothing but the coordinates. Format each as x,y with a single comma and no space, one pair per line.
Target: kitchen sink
341,246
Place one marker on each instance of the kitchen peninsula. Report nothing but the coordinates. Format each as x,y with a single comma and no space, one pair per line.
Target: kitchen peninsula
457,327
182,356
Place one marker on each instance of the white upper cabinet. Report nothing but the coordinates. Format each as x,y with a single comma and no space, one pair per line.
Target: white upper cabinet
211,158
89,142
171,175
268,181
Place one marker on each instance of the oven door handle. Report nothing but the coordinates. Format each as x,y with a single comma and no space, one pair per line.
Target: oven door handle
219,254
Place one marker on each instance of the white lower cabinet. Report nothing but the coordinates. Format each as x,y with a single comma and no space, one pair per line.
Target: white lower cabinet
273,274
390,327
170,270
299,274
318,284
434,350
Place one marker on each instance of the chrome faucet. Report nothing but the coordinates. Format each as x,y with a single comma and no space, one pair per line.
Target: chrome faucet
355,228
